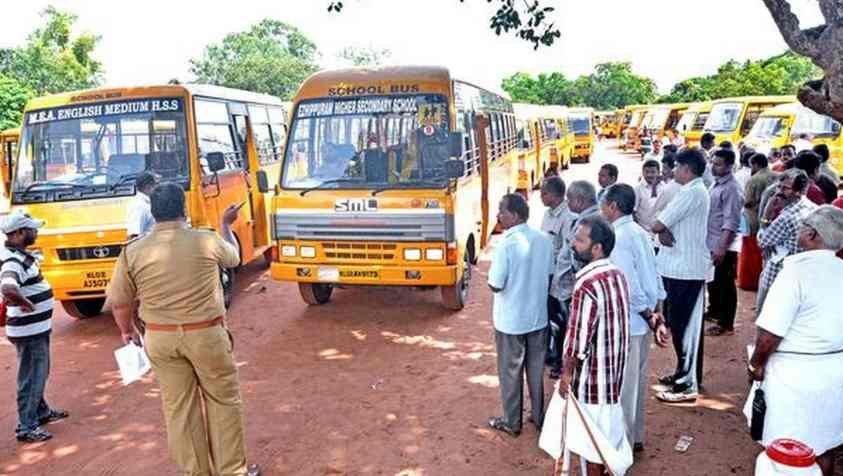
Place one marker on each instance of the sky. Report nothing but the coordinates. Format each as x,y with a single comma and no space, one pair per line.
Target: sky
152,41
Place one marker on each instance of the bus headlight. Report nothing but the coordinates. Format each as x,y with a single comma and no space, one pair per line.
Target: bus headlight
307,252
412,254
288,250
433,254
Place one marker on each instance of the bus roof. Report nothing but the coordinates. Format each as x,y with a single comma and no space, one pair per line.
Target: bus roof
702,106
758,99
581,109
336,82
13,132
94,95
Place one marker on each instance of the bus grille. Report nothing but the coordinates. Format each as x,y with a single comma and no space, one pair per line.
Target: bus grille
90,252
378,227
360,251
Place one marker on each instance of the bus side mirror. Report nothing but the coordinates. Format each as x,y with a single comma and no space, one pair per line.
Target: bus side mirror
454,168
263,181
455,145
216,161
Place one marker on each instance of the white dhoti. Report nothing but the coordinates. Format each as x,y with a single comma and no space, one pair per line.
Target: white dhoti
804,397
609,430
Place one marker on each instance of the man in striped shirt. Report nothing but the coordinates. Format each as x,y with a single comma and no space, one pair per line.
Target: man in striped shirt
598,334
683,262
29,304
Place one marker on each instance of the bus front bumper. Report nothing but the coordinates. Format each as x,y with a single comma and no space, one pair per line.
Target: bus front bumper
372,275
78,281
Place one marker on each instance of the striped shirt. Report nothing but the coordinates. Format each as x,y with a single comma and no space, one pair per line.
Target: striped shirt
598,332
21,269
686,216
781,239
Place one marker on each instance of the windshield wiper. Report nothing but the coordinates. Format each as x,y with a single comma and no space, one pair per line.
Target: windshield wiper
337,180
51,183
123,179
412,183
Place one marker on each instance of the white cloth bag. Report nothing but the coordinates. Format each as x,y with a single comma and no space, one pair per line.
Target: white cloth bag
132,362
576,438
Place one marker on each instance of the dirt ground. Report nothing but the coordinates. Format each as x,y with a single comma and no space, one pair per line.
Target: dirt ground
380,381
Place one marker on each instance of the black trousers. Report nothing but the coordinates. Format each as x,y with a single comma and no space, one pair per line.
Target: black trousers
519,355
683,312
723,291
557,314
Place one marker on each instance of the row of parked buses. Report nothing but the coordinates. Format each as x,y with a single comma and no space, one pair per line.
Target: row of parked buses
764,122
386,176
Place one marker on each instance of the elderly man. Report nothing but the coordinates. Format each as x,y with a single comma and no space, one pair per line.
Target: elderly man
778,238
597,343
29,300
606,177
634,255
582,201
556,223
174,273
724,218
798,356
518,277
683,262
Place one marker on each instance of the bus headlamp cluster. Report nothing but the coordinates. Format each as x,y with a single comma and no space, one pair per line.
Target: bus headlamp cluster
289,251
430,254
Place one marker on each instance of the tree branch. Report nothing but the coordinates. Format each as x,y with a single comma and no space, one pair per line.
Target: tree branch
788,24
832,10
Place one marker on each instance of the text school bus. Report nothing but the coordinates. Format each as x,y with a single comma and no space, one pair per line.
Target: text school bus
582,121
392,176
732,118
8,149
80,153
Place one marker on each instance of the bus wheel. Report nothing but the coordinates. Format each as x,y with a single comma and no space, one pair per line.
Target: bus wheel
83,308
227,278
454,297
315,293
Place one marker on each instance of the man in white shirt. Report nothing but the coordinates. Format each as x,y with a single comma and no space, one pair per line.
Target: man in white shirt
798,356
633,254
647,194
669,185
656,153
683,262
139,220
519,279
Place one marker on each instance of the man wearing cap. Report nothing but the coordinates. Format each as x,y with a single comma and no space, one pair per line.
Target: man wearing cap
29,304
174,273
139,220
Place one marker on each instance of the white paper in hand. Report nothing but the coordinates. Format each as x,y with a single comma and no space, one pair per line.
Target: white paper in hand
132,362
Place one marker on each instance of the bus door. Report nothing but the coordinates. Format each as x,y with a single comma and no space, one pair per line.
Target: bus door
266,134
481,125
225,129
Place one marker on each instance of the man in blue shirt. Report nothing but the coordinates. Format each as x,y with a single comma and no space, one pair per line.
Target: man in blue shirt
633,254
519,277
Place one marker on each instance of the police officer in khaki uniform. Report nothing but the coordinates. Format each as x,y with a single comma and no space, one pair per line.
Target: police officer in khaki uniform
174,273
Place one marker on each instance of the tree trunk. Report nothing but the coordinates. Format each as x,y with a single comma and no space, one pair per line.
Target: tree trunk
824,46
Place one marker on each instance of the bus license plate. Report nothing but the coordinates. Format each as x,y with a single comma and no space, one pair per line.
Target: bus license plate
329,274
95,279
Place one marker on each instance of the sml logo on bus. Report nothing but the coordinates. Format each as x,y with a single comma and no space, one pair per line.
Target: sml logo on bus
356,205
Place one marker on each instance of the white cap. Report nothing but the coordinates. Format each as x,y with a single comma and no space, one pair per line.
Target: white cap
19,219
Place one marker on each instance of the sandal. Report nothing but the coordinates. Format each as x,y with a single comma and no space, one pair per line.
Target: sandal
717,331
53,416
497,423
667,380
37,435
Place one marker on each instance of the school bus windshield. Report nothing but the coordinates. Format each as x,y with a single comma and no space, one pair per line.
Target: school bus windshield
768,127
85,151
724,117
580,123
371,142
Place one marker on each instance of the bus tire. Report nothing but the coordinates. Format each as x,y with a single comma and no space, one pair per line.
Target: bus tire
455,296
83,308
227,278
315,294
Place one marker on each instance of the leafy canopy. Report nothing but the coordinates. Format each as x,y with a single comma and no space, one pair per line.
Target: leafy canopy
271,57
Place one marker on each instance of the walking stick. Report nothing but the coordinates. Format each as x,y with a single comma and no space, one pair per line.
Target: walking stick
559,466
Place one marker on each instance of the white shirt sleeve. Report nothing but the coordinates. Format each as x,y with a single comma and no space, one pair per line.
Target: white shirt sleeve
134,219
782,303
500,267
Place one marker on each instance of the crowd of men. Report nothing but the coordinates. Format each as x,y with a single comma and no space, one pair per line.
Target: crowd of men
612,269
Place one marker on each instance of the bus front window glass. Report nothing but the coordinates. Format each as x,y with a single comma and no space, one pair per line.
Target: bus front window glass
580,124
686,121
767,127
86,146
724,117
371,142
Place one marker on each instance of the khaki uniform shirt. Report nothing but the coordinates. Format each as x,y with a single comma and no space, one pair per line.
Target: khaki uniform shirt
174,272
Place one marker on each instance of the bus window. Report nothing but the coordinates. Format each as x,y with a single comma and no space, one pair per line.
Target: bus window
262,134
215,134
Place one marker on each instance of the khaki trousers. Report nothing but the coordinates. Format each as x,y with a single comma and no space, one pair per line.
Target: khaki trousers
197,367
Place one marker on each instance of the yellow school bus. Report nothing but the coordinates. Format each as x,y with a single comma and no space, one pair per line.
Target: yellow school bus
608,122
80,153
631,139
732,118
8,148
531,168
693,121
785,123
559,137
391,176
662,120
582,123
